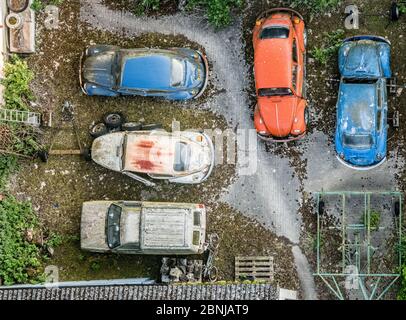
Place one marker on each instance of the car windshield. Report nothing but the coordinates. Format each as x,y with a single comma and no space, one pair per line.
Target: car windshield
274,33
177,73
271,92
182,157
359,81
113,226
358,141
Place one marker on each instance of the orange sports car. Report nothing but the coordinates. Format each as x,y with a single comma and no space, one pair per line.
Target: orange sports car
280,39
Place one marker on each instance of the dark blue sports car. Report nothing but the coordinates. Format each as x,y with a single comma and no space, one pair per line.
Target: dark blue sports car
361,133
174,74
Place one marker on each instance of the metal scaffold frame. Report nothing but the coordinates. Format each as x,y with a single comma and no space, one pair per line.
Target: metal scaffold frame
357,255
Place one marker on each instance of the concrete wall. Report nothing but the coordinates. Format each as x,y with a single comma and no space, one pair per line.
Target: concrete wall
3,41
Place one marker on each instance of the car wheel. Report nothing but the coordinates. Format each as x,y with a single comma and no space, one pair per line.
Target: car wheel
113,120
305,38
87,154
98,130
131,126
307,116
43,155
149,127
394,12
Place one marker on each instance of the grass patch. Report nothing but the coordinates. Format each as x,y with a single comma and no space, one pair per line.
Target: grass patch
39,5
219,12
316,7
331,44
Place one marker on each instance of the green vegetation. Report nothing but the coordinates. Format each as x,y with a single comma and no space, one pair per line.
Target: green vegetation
402,7
39,5
8,164
20,259
402,249
316,6
17,79
147,5
218,11
17,96
375,220
331,43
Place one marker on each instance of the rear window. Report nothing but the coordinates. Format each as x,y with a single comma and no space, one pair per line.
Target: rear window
182,156
274,33
177,73
358,141
270,92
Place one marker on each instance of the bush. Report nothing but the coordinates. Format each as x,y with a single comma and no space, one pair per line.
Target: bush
17,81
331,43
20,260
218,11
8,165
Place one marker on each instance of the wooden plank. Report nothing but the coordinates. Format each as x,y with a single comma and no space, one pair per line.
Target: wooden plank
257,267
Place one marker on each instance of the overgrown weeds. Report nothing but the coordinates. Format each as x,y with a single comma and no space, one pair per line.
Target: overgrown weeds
331,44
316,7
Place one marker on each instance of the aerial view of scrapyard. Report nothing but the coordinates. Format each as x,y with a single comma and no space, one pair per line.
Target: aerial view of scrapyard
202,150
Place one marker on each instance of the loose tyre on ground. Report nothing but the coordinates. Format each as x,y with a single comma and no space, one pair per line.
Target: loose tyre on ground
113,120
98,130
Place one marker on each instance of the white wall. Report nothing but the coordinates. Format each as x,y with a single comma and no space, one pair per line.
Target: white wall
3,42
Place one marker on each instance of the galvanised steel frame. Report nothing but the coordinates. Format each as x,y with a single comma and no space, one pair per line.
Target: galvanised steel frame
362,267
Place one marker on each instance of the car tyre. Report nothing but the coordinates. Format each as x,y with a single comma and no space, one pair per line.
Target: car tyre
394,12
307,116
98,130
113,120
87,154
150,127
131,126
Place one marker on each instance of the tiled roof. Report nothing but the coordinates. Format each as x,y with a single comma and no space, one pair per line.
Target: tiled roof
146,292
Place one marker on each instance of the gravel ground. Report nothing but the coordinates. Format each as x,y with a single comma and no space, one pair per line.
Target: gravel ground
272,190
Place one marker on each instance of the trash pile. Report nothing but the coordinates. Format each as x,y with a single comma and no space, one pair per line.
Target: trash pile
176,270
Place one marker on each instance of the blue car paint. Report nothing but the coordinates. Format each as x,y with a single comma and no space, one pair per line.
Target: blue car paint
358,110
145,73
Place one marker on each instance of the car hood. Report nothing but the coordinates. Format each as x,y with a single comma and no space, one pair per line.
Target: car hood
107,150
98,69
362,60
93,226
278,114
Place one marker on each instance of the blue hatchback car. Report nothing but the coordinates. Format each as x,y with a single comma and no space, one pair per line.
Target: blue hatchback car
174,74
361,133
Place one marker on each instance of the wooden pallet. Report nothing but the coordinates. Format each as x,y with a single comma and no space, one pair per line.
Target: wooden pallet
258,268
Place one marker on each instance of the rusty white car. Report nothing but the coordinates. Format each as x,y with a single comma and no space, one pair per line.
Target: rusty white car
181,157
133,227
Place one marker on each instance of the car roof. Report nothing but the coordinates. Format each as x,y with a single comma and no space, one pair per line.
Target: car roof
147,71
166,227
363,60
150,153
273,63
357,103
